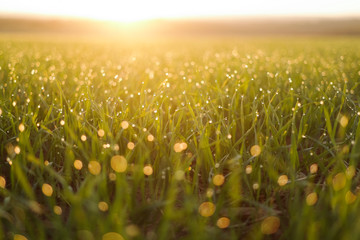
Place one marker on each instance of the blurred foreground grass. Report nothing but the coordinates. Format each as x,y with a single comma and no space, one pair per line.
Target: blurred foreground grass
181,139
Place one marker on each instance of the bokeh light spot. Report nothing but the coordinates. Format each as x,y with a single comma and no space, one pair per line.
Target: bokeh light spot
207,209
78,164
179,147
2,182
132,230
218,180
57,210
112,236
130,145
223,222
350,197
17,150
148,170
255,150
94,167
19,237
83,138
103,206
47,189
150,138
118,163
179,175
311,199
339,181
270,225
124,124
21,127
101,132
248,169
283,180
313,168
350,172
344,121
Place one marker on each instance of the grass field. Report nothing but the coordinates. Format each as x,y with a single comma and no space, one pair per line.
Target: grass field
180,139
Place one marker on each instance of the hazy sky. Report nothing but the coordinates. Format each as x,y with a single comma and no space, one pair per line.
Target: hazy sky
132,10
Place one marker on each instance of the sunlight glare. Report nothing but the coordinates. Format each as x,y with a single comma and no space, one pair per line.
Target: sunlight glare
140,10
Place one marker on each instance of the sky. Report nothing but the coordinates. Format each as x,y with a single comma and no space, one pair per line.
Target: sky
135,10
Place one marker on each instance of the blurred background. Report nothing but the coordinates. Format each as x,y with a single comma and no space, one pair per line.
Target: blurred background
181,18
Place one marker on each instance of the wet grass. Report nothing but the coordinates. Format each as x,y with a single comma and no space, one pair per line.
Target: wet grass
261,134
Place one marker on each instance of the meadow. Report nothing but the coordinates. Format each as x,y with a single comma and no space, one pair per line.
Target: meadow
236,138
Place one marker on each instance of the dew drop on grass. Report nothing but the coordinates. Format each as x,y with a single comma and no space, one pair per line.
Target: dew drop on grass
62,122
